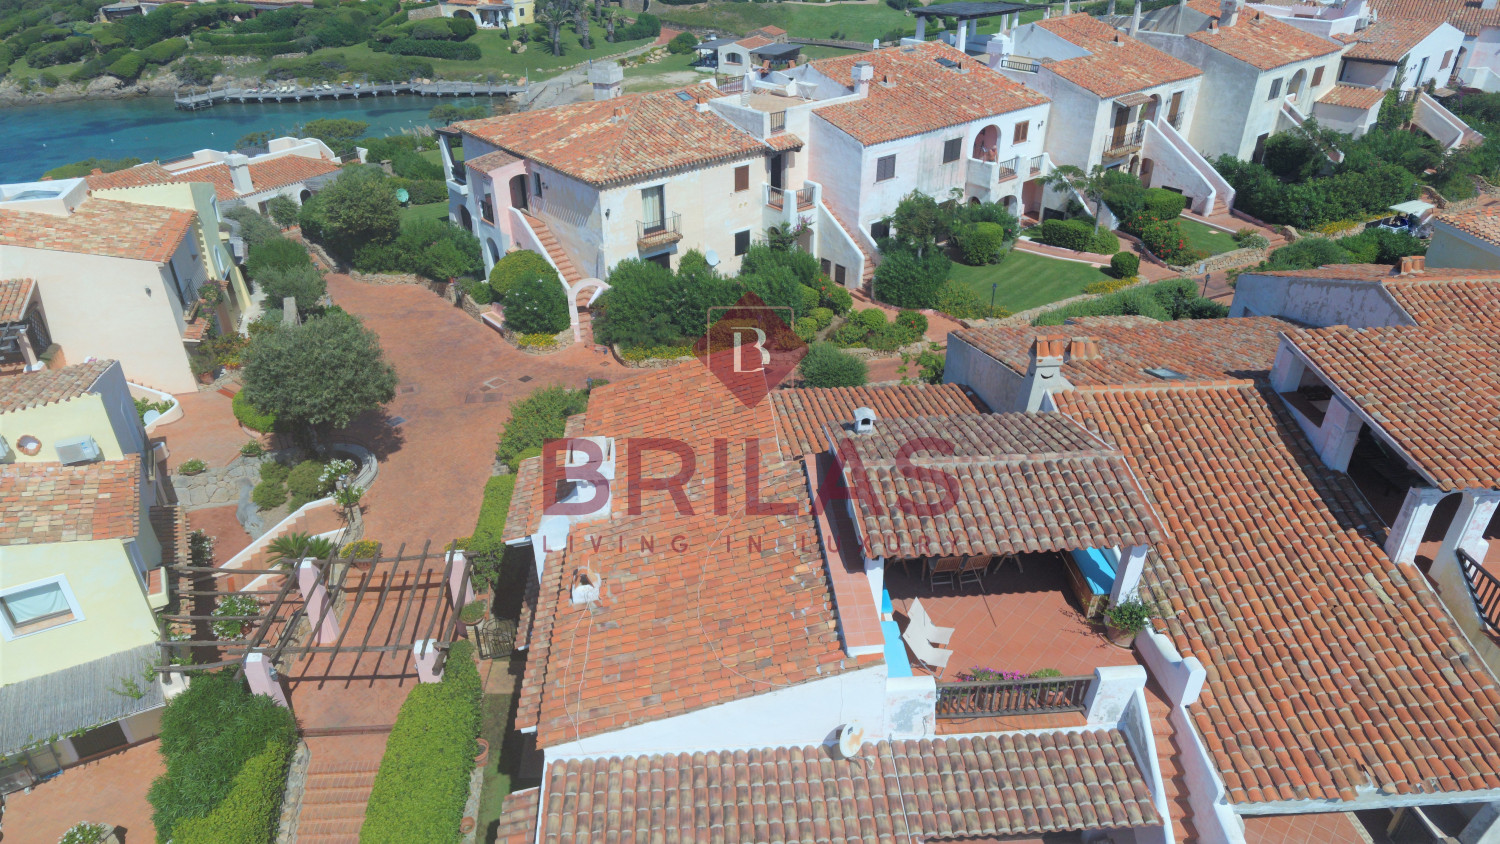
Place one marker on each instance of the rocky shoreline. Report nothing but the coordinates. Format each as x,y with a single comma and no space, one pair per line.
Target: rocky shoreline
99,88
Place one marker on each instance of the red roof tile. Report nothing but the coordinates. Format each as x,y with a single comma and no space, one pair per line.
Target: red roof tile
754,41
656,643
518,817
101,227
525,514
273,173
1431,296
1482,222
217,175
1199,349
1468,15
802,414
35,389
629,137
892,791
1352,96
1329,668
15,295
1118,64
490,161
923,96
784,141
1020,483
1261,40
149,173
47,502
1434,391
1390,40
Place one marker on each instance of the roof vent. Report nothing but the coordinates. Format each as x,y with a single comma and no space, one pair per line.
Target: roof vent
864,420
1167,374
78,450
6,454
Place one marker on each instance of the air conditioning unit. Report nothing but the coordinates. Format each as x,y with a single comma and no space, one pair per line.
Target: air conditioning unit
78,450
6,454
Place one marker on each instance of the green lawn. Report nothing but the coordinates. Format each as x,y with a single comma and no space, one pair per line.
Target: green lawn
670,72
846,21
1205,238
433,210
1026,280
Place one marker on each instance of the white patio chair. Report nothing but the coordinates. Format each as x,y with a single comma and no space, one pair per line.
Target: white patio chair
921,621
931,657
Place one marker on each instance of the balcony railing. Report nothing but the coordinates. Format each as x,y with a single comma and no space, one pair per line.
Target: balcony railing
1012,697
652,233
1175,120
1120,140
1022,65
776,197
1036,164
778,122
1484,588
1009,167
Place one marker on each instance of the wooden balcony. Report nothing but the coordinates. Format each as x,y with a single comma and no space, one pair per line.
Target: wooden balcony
654,234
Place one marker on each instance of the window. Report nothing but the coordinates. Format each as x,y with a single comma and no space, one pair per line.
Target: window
1275,89
1447,57
951,149
1022,130
880,229
28,609
1317,77
536,184
839,273
1260,148
741,178
826,266
742,242
653,208
885,168
661,259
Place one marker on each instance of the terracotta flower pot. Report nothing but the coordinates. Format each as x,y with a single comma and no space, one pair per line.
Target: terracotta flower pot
1119,636
484,753
466,825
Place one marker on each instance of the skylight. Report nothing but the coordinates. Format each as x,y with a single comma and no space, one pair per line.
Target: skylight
1166,374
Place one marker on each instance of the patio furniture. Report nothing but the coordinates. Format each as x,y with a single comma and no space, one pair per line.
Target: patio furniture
944,570
934,659
974,570
1091,573
922,622
897,665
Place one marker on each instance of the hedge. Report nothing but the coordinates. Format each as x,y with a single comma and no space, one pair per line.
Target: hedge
486,546
431,49
165,51
537,418
251,812
251,418
827,366
423,782
981,243
518,266
1173,299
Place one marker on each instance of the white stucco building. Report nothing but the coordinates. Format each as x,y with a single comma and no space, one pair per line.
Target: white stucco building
1427,49
1468,239
1478,59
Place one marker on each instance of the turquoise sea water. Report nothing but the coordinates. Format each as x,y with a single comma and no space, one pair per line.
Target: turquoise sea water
34,139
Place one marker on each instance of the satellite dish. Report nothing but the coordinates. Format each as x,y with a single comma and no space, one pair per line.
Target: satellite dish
402,196
851,739
151,416
712,258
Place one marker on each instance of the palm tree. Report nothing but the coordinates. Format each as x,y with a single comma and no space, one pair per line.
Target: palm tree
290,549
1067,177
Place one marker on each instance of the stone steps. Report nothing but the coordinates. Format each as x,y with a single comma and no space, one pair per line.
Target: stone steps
549,241
1169,757
334,800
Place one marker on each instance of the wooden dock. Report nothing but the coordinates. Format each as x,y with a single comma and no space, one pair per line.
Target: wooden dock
194,100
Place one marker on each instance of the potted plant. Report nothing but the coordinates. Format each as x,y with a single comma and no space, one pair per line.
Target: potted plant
474,612
230,609
192,467
1122,621
90,833
361,552
290,549
484,753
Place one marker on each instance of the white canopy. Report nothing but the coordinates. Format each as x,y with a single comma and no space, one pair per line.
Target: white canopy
1415,206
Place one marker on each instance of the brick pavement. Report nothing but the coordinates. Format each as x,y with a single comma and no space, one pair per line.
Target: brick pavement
110,790
207,430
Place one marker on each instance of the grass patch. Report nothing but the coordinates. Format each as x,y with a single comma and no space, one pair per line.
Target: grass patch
1027,280
854,22
1205,238
671,72
411,214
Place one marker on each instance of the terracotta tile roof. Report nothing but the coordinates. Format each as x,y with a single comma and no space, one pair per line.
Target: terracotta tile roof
1390,40
754,41
1431,296
801,414
656,644
1329,668
48,502
525,513
101,227
1483,223
149,173
772,30
217,175
15,294
518,817
1434,391
1352,96
1385,273
922,96
1119,64
35,389
490,161
626,138
1260,40
1468,15
1199,349
274,173
1021,483
784,141
892,791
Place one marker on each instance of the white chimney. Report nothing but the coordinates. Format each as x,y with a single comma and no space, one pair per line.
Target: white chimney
864,420
863,72
1044,375
1135,19
1229,11
607,79
1067,7
1111,12
1489,4
239,173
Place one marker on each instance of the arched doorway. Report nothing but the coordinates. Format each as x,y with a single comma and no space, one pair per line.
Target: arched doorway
1437,529
1009,204
1134,167
974,200
304,196
1151,109
1147,165
1298,80
463,13
466,219
494,249
987,143
518,191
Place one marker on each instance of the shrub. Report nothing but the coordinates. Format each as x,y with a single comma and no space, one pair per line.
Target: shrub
1164,204
870,318
85,833
192,467
827,366
635,354
305,483
851,333
430,49
251,418
361,549
166,51
303,283
1066,234
1305,254
1132,614
518,266
410,165
274,472
981,243
254,228
1175,298
835,297
251,811
806,329
486,546
823,317
479,291
423,781
914,322
536,419
537,306
888,337
1110,285
268,495
127,67
278,253
196,71
682,43
1124,264
1251,239
906,281
809,301
209,734
252,449
1104,242
283,210
537,341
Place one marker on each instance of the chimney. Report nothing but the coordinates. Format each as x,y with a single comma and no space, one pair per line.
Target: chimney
239,173
619,114
1135,19
1413,265
1213,25
607,79
863,72
1083,348
1229,12
1067,7
864,420
1044,375
1489,4
1111,11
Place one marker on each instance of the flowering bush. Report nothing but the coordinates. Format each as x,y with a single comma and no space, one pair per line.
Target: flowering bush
1163,237
85,833
1110,285
233,605
334,470
640,353
537,341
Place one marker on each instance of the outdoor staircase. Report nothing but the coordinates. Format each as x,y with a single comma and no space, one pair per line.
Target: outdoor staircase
867,278
1169,756
333,802
585,319
559,256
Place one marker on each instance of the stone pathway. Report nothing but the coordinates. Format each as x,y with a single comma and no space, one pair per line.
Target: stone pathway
218,485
